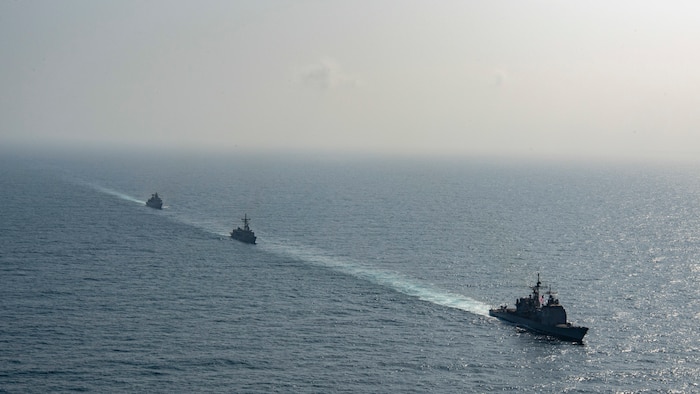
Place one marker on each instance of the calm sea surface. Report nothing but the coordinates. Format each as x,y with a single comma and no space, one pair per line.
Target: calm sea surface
369,275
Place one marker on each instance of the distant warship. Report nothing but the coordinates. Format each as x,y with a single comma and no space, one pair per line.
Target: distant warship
244,234
544,317
155,202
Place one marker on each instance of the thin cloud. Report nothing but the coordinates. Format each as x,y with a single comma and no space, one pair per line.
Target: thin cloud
326,75
499,78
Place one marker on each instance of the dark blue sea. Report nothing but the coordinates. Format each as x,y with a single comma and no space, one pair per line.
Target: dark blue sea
370,275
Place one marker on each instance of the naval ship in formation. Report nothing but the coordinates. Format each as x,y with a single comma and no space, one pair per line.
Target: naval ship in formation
155,202
540,316
244,234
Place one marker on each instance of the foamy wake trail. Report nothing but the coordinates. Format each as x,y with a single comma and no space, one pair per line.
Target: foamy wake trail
207,226
389,279
116,194
381,277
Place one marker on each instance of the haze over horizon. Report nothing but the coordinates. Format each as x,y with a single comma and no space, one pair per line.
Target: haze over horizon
521,78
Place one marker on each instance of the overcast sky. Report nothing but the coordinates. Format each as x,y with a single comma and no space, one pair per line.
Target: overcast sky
609,78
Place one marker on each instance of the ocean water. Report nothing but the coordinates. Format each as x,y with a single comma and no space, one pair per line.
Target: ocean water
369,275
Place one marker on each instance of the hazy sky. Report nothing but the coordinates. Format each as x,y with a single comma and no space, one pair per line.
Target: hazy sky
610,78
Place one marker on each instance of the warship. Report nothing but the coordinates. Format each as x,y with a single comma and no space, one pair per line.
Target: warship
541,316
155,202
244,234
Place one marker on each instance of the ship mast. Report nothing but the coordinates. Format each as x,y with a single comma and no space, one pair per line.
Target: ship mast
246,220
536,291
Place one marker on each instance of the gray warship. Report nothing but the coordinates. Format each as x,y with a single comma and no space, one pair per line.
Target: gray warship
155,202
536,314
244,234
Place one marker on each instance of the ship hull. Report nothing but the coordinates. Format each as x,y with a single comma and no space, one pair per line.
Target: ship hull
243,237
154,205
562,331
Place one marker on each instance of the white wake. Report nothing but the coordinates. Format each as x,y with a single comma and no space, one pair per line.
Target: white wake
117,194
381,277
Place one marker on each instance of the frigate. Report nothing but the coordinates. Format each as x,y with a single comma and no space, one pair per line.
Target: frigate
244,234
